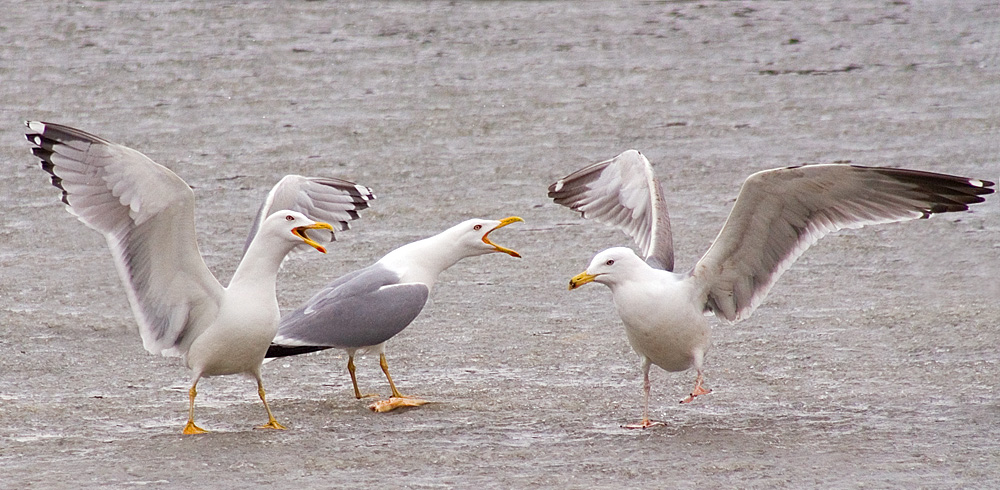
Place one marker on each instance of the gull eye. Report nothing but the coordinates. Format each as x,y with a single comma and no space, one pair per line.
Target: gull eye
610,262
289,218
477,227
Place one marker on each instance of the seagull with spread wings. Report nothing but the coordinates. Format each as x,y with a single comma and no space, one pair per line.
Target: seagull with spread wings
779,213
146,213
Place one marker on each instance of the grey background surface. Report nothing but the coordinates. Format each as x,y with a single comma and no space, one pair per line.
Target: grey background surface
873,363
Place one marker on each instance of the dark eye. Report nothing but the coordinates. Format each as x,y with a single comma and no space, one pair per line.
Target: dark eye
610,262
289,218
477,227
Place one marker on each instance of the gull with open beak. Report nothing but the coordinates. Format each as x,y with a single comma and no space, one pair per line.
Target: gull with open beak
362,310
146,213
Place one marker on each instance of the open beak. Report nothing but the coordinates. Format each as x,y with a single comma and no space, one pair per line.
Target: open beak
581,279
504,222
300,231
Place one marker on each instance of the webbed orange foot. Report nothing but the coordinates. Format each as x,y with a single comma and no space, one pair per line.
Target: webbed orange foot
190,428
272,424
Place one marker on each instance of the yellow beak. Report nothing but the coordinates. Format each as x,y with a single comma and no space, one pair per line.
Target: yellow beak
581,279
300,232
504,222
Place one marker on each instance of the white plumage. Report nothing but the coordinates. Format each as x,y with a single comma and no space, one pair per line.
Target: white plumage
146,213
779,213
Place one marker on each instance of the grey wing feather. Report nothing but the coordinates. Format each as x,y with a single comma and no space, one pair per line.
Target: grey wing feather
146,213
334,201
781,212
361,309
624,193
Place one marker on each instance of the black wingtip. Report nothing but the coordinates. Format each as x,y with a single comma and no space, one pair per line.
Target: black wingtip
944,193
45,156
276,350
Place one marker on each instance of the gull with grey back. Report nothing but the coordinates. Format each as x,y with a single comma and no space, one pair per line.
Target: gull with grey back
778,214
362,310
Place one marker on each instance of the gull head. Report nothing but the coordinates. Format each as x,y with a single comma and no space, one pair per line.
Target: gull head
608,267
292,226
473,236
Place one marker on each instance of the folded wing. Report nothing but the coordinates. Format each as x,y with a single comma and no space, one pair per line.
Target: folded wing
361,309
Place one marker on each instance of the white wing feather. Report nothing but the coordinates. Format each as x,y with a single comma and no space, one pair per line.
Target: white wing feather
146,213
622,192
331,200
781,212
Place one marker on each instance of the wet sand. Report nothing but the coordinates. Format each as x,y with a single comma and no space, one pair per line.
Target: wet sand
873,362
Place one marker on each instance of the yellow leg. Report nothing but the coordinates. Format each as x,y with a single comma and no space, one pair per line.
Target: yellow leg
354,379
385,369
271,422
190,428
398,399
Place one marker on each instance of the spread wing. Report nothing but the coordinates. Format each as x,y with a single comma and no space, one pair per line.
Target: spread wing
331,200
146,213
624,193
781,212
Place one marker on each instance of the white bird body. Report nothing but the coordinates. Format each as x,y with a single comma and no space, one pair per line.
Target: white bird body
656,309
248,314
779,213
146,214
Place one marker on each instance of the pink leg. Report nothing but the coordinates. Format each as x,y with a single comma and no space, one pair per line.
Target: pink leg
698,389
646,423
